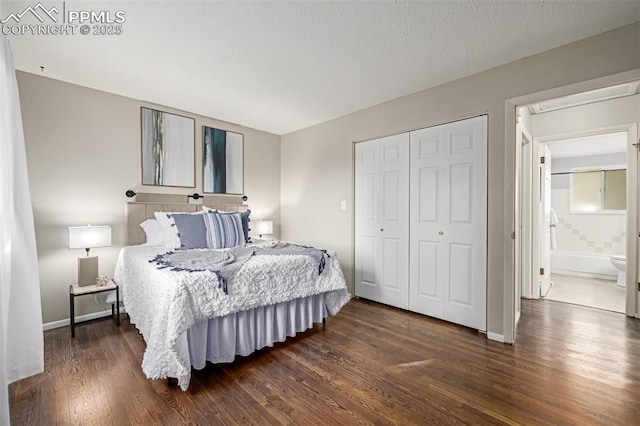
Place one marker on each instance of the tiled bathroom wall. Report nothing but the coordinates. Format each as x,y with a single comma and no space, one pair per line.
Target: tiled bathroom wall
585,232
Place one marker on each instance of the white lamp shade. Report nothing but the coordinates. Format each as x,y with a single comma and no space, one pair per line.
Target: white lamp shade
84,237
263,227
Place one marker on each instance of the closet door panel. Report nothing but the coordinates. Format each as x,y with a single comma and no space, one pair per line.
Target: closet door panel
461,187
429,200
368,261
382,220
467,227
425,291
428,195
460,282
448,216
367,218
391,255
391,194
428,276
394,227
368,200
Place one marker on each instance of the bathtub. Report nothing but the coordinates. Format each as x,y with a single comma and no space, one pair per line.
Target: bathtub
583,264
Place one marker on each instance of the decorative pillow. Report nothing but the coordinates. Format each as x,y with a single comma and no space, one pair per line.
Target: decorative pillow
244,217
224,230
153,231
191,231
169,229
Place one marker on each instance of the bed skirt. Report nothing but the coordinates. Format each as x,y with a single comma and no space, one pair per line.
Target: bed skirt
219,340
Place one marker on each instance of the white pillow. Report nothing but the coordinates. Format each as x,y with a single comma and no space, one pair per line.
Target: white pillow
153,231
171,238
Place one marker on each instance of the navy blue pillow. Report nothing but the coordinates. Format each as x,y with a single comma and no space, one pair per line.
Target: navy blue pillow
244,217
191,231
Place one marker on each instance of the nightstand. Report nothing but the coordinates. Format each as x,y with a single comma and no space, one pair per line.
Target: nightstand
76,290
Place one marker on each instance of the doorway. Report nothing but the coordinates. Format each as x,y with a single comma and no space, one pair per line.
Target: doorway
526,166
583,220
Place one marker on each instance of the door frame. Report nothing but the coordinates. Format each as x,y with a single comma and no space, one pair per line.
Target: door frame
522,223
541,230
523,238
512,207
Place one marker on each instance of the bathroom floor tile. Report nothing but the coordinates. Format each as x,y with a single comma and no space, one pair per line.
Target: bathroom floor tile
592,292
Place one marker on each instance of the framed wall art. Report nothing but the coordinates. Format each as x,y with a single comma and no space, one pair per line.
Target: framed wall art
223,160
168,149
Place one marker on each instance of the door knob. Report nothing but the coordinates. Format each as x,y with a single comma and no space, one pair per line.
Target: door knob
441,233
381,229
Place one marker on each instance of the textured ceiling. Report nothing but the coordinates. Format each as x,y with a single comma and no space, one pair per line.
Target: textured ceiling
283,66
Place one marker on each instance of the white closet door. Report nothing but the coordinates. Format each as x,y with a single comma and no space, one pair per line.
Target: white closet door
382,220
448,230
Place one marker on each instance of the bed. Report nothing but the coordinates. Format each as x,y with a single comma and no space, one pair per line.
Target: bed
189,315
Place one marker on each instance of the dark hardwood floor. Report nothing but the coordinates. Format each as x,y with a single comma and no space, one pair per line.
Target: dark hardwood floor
371,365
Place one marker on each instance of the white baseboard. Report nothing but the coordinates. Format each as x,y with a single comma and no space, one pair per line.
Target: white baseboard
517,317
495,336
66,322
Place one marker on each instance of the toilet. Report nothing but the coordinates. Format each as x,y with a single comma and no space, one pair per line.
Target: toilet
619,262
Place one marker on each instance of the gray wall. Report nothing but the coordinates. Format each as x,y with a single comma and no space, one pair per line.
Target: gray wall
317,162
83,153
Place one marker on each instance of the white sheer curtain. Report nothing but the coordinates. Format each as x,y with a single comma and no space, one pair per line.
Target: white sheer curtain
21,341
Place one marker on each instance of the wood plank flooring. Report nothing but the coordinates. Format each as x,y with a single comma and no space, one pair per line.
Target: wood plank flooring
372,364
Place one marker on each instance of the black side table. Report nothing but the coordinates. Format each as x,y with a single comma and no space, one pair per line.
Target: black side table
75,291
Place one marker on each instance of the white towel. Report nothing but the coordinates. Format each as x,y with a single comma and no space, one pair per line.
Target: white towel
553,224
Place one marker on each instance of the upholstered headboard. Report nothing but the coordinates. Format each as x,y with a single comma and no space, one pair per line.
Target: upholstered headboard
145,205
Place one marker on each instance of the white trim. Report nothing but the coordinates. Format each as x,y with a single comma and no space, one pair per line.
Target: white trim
65,322
495,337
517,317
632,305
509,279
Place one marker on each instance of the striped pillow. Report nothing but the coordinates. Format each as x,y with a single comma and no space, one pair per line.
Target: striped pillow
224,230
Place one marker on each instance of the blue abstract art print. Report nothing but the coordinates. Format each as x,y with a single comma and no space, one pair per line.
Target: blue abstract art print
223,161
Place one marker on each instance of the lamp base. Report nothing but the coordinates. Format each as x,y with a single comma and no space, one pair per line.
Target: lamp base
87,270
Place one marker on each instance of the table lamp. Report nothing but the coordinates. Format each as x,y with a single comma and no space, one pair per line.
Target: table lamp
88,237
263,227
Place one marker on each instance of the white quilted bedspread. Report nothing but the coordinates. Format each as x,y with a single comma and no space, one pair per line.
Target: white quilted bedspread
163,304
